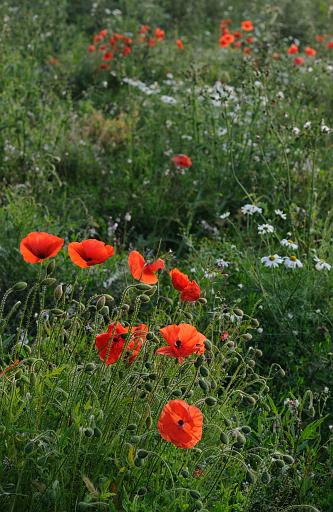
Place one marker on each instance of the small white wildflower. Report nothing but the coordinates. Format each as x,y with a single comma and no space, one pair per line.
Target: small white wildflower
321,264
250,209
221,263
324,128
289,243
272,261
292,262
280,95
169,100
224,215
281,214
326,389
260,330
264,229
307,125
296,131
128,217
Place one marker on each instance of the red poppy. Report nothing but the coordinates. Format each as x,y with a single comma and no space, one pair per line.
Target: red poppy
226,40
144,29
180,44
310,52
182,160
91,48
103,33
293,49
104,66
329,45
126,51
110,344
237,44
298,61
183,340
53,61
39,246
108,56
319,38
142,271
247,51
98,38
151,42
180,423
247,26
224,336
89,252
224,23
237,35
190,290
160,34
250,40
102,48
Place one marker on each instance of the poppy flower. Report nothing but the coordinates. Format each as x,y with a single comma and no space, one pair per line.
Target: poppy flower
250,40
110,344
98,38
247,26
108,56
53,61
159,34
329,45
226,40
39,246
182,161
292,49
103,33
237,44
126,51
104,66
151,42
298,61
180,44
190,290
144,29
320,38
310,52
180,424
182,340
142,271
224,23
89,252
91,48
102,48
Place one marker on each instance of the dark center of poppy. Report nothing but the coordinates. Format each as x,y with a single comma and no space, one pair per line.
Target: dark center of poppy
178,343
181,423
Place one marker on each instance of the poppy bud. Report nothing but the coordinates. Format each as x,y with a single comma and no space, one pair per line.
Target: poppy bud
185,473
312,412
265,477
131,427
88,432
204,385
239,312
58,292
279,463
100,303
198,505
15,307
148,386
144,298
195,494
20,286
251,363
50,267
204,372
210,401
198,362
138,462
151,290
258,352
250,476
153,376
255,323
58,312
177,393
33,379
149,422
144,287
105,311
208,344
142,491
240,440
48,281
142,454
67,323
202,300
188,315
125,307
108,297
245,429
189,393
247,336
250,399
224,438
288,459
89,367
167,300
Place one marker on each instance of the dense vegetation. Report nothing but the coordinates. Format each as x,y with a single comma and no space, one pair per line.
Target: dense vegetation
97,100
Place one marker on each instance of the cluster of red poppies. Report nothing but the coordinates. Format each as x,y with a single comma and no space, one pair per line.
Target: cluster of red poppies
120,45
179,422
299,60
238,38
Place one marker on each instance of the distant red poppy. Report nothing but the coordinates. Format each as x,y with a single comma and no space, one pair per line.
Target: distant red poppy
108,56
98,38
143,29
237,35
247,26
183,340
293,48
190,290
224,336
159,34
180,44
182,160
250,40
103,47
247,51
237,44
319,38
224,23
126,51
298,61
53,61
104,66
151,42
89,252
110,344
142,271
103,33
226,40
91,48
329,45
310,52
39,246
180,424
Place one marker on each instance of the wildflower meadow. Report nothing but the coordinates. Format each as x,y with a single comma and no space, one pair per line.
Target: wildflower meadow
166,229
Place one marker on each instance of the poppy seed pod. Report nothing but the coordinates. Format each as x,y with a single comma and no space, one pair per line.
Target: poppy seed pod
100,303
142,454
224,438
144,298
48,281
239,312
250,476
20,286
247,336
58,292
202,300
210,401
50,267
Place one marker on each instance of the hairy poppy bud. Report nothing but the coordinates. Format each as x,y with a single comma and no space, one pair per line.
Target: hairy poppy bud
144,298
142,454
58,312
204,385
247,336
258,352
185,473
202,300
312,412
149,422
198,362
239,312
167,300
132,427
288,459
204,372
108,297
141,491
105,311
210,401
50,267
208,344
250,399
224,438
240,440
138,462
198,505
177,393
195,494
89,367
144,286
148,386
255,323
126,307
20,286
245,429
279,463
265,477
58,292
48,281
151,290
251,363
88,432
33,379
250,476
100,303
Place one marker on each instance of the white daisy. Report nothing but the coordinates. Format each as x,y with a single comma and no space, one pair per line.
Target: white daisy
169,100
307,125
250,209
296,131
289,243
263,229
224,215
321,264
272,261
292,262
281,214
221,263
